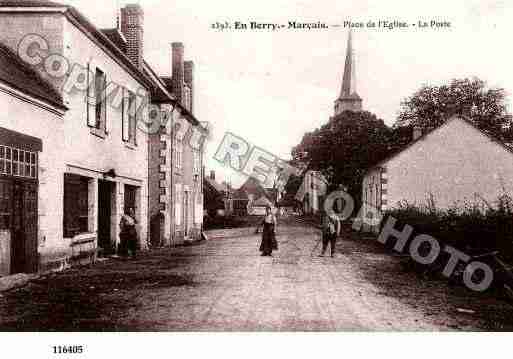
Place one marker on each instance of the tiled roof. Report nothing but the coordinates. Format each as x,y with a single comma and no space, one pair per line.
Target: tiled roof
217,186
240,195
30,3
116,37
169,85
23,77
167,81
76,16
399,150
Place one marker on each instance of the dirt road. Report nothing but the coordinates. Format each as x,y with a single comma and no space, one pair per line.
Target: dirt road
224,285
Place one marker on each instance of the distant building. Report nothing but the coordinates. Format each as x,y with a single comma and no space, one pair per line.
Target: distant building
312,192
453,163
214,196
259,206
240,202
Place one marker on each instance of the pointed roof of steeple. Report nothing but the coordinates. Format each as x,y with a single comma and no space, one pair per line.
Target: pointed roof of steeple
349,79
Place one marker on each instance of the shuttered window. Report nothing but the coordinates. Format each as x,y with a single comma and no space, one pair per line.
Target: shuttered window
129,117
96,101
76,205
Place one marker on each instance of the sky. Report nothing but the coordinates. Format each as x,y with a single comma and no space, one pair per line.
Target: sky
270,87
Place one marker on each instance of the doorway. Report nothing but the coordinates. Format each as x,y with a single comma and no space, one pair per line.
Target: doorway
19,217
105,190
186,214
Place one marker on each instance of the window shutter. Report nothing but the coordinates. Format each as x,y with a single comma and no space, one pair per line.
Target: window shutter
137,116
90,95
103,119
132,117
125,115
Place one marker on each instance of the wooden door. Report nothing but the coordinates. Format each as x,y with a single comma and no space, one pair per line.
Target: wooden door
5,226
104,216
24,257
186,213
30,221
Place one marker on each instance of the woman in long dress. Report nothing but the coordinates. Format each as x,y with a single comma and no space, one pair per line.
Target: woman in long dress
268,233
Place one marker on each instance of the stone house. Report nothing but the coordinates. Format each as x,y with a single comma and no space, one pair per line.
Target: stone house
175,138
181,150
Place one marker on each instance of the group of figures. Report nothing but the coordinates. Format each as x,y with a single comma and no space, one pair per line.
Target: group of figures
330,231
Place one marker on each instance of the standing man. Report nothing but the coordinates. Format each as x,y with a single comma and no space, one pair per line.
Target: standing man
330,231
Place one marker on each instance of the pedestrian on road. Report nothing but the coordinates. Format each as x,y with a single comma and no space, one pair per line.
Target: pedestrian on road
268,233
128,233
330,230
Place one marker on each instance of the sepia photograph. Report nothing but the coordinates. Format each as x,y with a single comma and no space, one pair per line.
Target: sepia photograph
243,168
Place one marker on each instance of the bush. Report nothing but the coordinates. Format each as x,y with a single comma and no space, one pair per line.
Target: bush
471,227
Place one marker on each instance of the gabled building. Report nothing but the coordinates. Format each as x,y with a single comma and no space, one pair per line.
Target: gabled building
254,190
91,131
94,159
175,162
449,165
181,150
214,195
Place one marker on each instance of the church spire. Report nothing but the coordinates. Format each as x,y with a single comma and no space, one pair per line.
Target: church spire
348,99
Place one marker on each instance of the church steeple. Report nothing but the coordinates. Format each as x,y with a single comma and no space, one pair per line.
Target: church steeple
348,99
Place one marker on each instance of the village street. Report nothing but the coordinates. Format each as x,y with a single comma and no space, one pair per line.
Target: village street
223,284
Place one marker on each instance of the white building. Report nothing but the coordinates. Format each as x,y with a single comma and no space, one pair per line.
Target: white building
92,163
452,164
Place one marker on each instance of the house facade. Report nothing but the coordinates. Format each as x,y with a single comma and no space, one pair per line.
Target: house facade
94,159
453,165
25,150
312,192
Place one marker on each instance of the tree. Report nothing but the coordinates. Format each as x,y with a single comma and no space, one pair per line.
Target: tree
344,148
431,106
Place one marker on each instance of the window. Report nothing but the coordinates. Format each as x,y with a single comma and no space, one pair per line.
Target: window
5,204
196,162
129,117
187,98
97,109
76,205
178,154
16,162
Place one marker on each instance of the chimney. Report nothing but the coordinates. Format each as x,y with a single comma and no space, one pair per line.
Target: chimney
132,20
213,175
417,132
177,78
189,80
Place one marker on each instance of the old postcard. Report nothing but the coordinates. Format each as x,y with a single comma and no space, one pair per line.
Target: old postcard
255,166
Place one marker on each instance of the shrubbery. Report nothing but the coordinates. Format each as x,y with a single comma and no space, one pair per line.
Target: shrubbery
471,228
